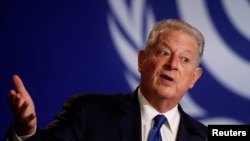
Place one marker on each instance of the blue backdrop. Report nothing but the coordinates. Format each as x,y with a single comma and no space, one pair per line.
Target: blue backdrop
60,48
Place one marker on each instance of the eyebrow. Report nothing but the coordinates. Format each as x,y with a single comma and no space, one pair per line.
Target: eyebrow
165,45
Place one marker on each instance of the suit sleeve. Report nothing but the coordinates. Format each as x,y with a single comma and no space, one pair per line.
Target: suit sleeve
68,125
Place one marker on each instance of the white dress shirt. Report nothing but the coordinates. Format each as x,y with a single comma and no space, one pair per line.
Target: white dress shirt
168,130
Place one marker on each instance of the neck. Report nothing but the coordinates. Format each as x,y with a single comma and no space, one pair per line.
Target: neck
162,105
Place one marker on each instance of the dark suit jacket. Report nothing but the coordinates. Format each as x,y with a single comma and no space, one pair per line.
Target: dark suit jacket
100,117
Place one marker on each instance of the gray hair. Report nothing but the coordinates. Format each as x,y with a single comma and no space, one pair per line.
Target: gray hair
179,25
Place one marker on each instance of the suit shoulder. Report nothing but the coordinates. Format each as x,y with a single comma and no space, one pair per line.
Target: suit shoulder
192,125
94,98
194,122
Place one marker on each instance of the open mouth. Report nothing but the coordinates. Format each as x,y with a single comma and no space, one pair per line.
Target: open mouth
167,77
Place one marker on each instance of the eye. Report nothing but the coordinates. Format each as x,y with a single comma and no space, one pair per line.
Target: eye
185,60
164,53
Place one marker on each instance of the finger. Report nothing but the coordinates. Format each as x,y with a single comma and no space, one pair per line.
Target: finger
19,100
13,99
16,103
22,109
20,88
29,119
12,95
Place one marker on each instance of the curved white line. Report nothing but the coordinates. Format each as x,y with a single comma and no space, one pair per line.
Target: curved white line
221,121
133,83
130,19
125,50
227,67
132,27
239,14
191,107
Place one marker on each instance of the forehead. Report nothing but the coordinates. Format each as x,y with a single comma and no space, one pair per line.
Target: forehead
178,38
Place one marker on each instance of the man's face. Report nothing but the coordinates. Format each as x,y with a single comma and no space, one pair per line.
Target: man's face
169,68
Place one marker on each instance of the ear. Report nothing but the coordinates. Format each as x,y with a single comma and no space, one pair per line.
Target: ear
141,58
196,76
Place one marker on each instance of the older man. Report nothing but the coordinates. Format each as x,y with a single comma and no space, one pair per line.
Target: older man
169,67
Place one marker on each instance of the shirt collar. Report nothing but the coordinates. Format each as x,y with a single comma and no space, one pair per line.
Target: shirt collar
148,112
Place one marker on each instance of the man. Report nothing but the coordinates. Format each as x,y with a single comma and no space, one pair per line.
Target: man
169,67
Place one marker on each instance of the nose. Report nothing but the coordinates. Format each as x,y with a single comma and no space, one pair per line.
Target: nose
172,63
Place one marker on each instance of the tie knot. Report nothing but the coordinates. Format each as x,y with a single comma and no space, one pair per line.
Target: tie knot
159,120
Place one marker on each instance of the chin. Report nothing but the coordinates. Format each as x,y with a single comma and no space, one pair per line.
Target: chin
166,93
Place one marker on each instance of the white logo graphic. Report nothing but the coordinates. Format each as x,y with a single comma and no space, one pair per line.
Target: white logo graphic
130,20
219,59
127,26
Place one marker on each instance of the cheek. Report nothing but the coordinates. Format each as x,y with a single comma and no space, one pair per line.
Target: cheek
188,79
151,67
155,66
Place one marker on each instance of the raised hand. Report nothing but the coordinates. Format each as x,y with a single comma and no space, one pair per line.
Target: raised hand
23,108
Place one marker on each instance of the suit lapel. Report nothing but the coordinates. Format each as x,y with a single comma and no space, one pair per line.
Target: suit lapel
188,130
130,118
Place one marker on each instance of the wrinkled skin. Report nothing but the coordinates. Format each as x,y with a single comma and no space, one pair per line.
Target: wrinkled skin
169,69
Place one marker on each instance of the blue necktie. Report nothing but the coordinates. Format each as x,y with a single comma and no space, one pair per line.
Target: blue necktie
155,134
